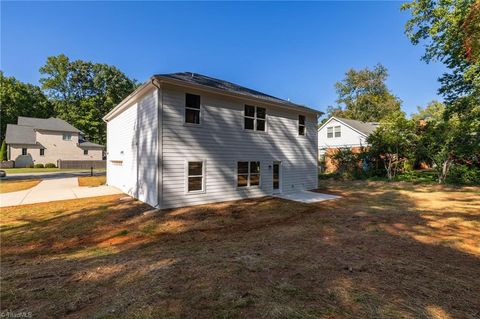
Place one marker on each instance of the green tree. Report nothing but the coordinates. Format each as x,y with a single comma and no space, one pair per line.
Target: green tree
21,99
434,110
3,151
364,96
450,31
393,142
82,92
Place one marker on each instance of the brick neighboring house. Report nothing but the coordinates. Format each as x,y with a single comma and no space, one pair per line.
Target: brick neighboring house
40,141
340,133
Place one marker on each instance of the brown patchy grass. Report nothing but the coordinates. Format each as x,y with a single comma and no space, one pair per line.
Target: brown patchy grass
383,251
8,186
92,181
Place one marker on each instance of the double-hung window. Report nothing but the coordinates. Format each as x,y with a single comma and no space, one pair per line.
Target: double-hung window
192,108
255,118
301,125
42,152
85,152
337,129
195,176
67,137
248,174
330,132
24,151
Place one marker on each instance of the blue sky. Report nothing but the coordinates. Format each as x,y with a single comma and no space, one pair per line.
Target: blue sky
290,50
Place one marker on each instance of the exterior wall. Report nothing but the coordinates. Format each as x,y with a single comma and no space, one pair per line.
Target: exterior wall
349,137
330,165
221,142
55,148
132,157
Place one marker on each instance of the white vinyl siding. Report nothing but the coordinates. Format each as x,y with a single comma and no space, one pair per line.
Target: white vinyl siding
348,137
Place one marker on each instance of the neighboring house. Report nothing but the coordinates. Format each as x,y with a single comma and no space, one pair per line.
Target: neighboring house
183,139
40,141
339,132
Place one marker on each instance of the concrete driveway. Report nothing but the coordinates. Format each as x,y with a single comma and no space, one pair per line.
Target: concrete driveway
55,189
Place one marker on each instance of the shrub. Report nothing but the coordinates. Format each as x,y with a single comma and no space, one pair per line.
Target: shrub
464,174
30,166
348,163
3,151
50,165
38,166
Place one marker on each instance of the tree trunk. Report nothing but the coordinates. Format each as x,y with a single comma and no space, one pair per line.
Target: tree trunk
443,173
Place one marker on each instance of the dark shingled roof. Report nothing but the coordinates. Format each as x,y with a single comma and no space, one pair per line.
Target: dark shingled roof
89,145
366,128
51,124
199,79
20,134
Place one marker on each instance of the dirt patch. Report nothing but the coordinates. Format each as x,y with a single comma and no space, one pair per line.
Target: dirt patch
383,251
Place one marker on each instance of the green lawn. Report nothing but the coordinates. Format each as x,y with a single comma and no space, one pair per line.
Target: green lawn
45,170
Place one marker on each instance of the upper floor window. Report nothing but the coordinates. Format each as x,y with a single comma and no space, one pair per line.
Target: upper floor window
301,125
334,131
24,151
67,136
195,176
42,152
85,152
248,174
255,118
192,108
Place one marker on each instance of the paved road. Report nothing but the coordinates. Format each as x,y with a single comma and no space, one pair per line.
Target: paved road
55,189
48,175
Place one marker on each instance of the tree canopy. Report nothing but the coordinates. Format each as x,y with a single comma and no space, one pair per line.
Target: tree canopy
21,99
364,96
82,92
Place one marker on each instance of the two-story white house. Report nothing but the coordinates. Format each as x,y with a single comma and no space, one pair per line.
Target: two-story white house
184,139
339,132
41,141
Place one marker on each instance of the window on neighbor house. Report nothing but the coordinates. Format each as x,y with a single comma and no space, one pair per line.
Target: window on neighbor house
24,151
85,152
192,108
42,152
301,125
195,178
248,174
255,118
330,132
67,136
338,132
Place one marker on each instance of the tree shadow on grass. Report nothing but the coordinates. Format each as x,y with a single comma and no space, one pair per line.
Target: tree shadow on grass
371,254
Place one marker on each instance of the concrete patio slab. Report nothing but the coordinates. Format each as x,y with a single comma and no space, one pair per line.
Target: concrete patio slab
307,197
55,189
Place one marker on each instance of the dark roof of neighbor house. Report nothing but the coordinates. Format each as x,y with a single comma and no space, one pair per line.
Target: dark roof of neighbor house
50,124
366,128
229,87
86,144
20,134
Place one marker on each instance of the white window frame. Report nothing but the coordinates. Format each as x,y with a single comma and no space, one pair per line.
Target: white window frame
67,136
204,176
330,128
85,154
254,118
193,109
339,131
40,152
248,175
26,151
300,125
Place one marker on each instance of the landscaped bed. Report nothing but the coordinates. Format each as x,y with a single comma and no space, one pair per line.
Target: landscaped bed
8,186
384,250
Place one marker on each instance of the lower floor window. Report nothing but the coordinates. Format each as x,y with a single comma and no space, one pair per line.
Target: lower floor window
85,152
248,174
42,152
195,176
24,151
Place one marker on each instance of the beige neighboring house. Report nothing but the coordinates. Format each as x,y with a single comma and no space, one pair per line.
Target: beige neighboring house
40,141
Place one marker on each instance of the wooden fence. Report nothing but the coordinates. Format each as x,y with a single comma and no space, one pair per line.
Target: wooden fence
81,164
